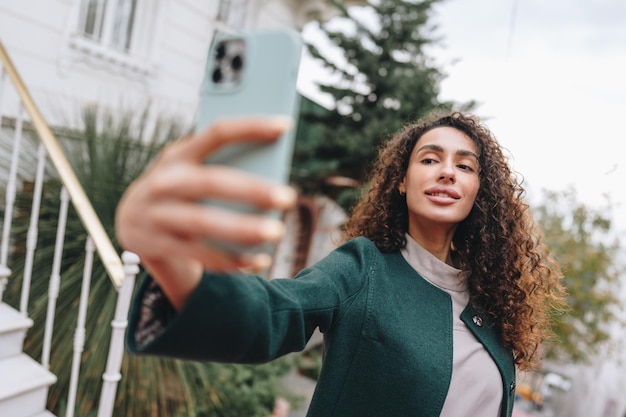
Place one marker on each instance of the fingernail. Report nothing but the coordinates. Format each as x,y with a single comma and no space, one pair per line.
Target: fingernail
281,122
284,197
261,261
271,230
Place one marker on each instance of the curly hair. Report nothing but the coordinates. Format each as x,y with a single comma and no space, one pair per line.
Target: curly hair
512,278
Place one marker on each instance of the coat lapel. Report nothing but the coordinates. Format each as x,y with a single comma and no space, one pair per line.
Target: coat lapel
482,328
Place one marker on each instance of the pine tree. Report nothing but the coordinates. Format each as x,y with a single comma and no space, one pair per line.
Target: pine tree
386,80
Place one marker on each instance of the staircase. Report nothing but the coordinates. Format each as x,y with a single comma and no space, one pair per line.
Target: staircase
23,381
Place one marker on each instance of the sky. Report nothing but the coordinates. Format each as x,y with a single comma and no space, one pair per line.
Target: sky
549,77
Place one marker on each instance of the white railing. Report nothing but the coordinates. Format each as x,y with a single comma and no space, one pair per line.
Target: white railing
121,272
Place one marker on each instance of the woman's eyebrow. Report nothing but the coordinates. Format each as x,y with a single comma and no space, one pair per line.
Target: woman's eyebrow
462,152
437,148
431,147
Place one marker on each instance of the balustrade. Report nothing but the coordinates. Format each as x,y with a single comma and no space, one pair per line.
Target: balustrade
121,270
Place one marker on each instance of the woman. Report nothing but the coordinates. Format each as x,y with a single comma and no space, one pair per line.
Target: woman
441,289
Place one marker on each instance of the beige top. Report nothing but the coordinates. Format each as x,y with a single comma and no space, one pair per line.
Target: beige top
476,384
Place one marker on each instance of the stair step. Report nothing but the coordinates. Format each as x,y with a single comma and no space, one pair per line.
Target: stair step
43,414
13,326
23,386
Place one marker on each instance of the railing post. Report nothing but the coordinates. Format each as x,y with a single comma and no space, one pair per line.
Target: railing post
33,227
10,202
3,76
5,272
55,278
112,373
79,335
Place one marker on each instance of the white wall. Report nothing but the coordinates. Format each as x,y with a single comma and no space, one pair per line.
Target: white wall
37,34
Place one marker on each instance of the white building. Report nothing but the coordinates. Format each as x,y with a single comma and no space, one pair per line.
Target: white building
127,52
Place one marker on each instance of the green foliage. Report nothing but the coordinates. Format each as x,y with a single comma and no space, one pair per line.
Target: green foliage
107,155
385,81
580,239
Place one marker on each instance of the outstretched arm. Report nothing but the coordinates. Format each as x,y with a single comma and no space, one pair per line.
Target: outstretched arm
159,217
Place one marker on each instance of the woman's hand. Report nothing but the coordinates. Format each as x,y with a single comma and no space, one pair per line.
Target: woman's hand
160,219
281,408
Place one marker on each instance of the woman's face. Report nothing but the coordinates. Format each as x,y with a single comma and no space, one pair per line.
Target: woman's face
441,182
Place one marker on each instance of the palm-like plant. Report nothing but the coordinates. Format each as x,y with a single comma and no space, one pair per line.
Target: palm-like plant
108,153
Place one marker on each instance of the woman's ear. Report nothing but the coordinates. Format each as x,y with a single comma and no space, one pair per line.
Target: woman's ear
402,188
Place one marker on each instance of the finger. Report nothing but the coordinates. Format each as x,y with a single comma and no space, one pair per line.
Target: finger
211,258
151,241
198,222
195,183
233,131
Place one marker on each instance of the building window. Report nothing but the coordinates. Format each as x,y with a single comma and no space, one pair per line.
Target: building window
109,22
123,24
118,31
91,17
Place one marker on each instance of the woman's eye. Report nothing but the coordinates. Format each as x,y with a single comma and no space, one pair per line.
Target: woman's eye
428,161
468,168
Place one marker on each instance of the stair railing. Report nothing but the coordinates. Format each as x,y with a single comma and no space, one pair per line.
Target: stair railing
121,271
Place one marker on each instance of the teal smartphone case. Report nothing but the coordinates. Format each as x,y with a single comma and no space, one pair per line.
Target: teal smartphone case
258,73
252,74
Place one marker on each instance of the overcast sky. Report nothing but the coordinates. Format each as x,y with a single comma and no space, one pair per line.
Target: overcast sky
550,80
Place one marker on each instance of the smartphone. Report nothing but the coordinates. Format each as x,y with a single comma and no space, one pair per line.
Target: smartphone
252,74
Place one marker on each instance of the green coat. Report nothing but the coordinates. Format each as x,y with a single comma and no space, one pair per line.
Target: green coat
387,331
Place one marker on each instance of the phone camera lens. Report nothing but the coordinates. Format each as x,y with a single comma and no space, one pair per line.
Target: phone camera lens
217,75
220,52
237,63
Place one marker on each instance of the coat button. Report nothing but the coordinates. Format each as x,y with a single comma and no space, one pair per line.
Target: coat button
512,389
478,321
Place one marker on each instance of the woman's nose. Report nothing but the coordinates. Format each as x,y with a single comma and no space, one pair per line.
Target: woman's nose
447,173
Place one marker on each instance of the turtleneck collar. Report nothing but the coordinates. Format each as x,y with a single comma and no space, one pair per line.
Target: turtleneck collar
432,268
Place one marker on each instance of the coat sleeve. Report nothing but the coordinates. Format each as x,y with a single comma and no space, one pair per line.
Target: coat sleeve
247,319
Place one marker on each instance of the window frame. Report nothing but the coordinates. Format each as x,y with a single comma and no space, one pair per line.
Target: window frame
98,45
